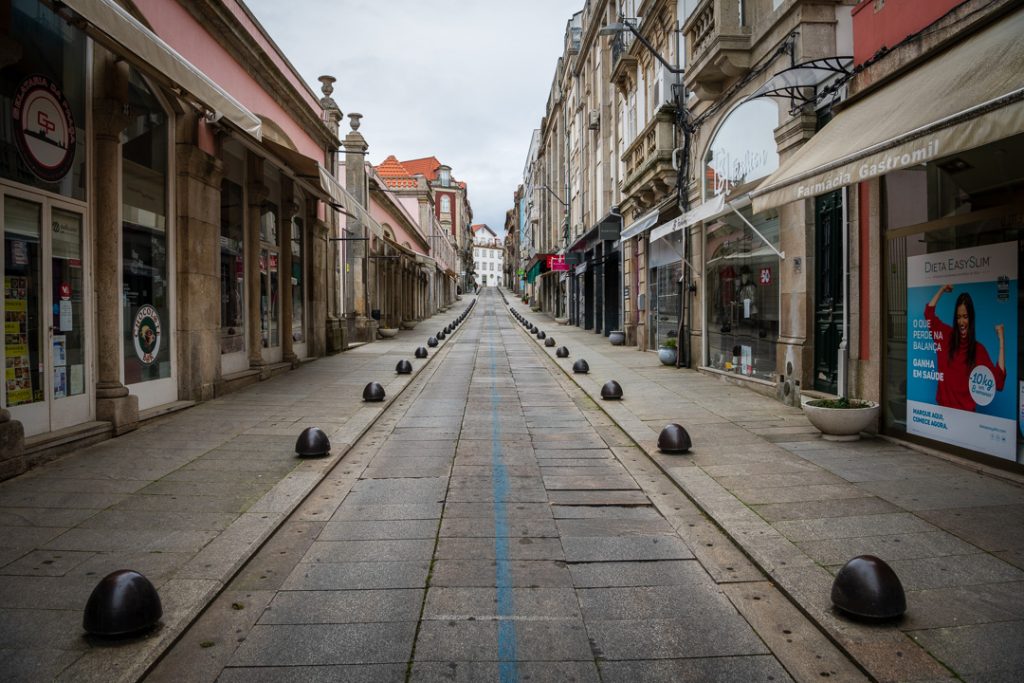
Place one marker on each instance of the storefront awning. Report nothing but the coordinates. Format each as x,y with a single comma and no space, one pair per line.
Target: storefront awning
111,25
639,226
534,271
706,210
968,96
319,180
608,228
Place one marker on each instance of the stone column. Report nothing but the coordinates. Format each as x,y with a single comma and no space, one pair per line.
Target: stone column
357,250
114,403
198,263
319,284
12,446
257,194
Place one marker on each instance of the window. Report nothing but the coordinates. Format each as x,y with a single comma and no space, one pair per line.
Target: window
145,272
42,45
446,204
743,148
232,268
743,295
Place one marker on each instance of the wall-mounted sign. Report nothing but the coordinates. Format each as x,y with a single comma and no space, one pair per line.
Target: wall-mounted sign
962,348
44,127
556,262
146,334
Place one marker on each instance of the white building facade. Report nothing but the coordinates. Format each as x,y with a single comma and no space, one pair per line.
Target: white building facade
488,256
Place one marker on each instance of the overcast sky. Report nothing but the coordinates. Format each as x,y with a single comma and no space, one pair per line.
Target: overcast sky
463,81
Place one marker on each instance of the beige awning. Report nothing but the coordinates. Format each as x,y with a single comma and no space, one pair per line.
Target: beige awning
111,25
968,96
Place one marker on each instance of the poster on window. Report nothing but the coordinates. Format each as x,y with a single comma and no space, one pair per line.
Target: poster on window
962,348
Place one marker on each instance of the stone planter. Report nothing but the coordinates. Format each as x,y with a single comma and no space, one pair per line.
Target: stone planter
409,324
667,355
843,424
617,337
387,332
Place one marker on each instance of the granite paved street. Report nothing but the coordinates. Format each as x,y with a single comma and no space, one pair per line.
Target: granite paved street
494,519
494,525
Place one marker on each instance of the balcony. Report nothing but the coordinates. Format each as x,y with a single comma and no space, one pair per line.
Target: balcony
623,61
717,47
649,174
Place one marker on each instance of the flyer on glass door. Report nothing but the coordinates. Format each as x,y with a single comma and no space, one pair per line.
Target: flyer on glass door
962,348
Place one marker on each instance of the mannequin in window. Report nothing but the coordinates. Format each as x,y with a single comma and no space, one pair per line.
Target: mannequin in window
747,293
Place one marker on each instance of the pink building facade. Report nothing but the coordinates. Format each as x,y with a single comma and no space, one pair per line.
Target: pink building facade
165,192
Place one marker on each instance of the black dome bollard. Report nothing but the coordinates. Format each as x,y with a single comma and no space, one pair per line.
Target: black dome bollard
448,329
122,604
421,352
404,367
611,391
312,442
674,439
542,335
562,352
549,342
373,393
441,335
432,342
867,587
581,367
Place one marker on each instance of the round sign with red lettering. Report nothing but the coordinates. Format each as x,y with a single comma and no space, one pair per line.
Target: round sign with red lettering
44,127
146,334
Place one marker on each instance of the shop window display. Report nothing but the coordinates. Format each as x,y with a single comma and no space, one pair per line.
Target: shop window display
232,268
145,267
742,274
666,267
23,360
953,301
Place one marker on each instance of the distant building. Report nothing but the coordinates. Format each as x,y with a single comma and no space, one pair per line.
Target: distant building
488,256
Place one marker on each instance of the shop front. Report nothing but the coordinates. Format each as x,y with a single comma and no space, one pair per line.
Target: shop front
46,255
939,202
146,229
742,258
597,286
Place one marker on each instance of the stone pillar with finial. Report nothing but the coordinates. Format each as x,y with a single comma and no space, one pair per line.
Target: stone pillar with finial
325,288
356,183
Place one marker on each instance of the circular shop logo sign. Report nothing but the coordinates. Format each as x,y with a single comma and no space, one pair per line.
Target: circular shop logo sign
982,384
146,334
44,128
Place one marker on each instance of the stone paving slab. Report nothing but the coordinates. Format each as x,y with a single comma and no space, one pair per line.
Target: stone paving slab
186,499
792,501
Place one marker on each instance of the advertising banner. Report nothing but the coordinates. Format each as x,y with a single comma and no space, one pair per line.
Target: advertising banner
962,348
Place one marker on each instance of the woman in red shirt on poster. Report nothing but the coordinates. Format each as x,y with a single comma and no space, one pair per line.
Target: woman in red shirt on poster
958,352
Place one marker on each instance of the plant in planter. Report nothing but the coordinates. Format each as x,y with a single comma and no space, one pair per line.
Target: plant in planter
842,419
667,351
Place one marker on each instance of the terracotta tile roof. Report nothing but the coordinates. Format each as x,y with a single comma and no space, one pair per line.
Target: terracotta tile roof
426,167
395,174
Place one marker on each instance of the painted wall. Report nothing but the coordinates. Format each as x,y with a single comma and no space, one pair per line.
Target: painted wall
180,30
877,24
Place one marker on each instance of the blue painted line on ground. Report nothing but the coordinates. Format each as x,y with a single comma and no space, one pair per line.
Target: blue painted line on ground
507,669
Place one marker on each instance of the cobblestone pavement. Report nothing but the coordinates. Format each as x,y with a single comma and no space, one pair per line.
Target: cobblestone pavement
495,525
